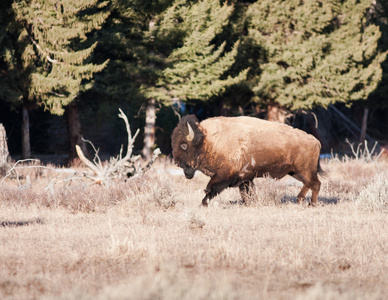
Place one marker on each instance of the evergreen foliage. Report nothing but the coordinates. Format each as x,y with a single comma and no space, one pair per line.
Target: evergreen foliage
237,55
379,16
197,68
318,52
54,50
14,75
136,57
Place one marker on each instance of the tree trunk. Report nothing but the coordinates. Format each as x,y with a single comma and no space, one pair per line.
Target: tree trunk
74,130
4,154
364,125
26,146
149,129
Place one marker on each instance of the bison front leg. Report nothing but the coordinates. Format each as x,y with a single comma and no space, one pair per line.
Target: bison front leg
206,200
215,186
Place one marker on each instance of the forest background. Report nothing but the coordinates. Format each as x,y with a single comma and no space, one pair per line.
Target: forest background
67,66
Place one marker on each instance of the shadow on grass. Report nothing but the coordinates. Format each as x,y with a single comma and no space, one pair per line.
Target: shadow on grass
21,223
321,200
239,202
293,199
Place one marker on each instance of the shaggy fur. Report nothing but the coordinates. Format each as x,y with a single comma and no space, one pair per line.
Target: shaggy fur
235,150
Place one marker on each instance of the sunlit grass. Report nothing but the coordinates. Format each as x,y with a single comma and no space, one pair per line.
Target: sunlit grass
149,238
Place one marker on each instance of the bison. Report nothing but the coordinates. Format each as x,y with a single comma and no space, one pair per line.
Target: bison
235,150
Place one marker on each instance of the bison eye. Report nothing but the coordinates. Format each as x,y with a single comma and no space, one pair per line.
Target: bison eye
184,146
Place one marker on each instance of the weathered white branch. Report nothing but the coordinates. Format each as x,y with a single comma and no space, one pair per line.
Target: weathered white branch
90,164
131,139
14,167
73,174
118,167
365,154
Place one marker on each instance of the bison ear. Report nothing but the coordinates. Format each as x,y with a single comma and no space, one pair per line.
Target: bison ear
199,136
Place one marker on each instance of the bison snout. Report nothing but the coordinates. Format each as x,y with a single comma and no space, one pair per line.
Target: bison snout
189,172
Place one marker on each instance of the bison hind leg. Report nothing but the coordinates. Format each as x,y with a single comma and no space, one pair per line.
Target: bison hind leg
302,194
316,186
309,182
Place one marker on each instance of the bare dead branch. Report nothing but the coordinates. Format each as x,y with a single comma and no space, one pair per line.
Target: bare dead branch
90,164
14,167
96,159
118,167
363,153
71,174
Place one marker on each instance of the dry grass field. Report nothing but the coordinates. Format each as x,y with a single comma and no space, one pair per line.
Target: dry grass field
148,238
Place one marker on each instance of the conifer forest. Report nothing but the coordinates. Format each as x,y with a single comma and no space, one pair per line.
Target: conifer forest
67,66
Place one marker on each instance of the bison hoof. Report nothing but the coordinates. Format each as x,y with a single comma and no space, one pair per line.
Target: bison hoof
205,202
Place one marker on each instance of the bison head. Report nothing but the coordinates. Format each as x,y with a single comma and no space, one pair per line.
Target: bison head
186,142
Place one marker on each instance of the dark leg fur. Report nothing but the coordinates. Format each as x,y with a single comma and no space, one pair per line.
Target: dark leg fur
214,187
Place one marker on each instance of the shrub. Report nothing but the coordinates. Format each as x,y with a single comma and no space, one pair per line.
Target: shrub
374,196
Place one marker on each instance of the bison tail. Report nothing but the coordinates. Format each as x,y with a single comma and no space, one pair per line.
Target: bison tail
320,171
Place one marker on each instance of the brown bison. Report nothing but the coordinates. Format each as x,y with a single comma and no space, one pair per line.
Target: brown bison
235,150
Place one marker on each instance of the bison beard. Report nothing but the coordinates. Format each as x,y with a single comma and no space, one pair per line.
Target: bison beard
233,151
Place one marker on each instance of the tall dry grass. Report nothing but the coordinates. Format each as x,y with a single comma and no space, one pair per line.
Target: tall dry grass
148,238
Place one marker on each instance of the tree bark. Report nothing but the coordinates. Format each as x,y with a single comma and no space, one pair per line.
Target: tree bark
26,146
149,129
4,154
74,131
364,125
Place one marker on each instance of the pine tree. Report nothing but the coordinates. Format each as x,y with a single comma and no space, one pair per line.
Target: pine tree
5,19
49,57
57,33
318,52
379,16
197,67
14,73
136,57
16,69
127,40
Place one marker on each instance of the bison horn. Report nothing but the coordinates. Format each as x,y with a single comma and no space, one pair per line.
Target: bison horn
190,136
